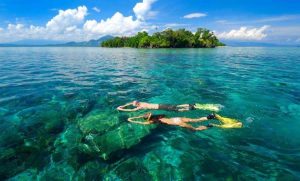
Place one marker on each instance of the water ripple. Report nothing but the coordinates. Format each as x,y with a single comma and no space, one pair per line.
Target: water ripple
46,91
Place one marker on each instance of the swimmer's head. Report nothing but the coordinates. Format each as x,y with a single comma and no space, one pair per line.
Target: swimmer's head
153,117
135,103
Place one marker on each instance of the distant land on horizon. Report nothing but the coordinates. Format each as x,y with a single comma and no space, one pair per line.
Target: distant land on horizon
96,43
50,43
255,44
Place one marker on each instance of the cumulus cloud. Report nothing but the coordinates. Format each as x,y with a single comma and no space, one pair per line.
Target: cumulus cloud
71,24
194,15
271,19
119,24
143,11
244,33
67,18
61,27
116,25
96,9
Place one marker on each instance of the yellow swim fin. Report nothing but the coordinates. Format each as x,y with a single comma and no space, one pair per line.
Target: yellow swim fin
209,107
227,126
227,122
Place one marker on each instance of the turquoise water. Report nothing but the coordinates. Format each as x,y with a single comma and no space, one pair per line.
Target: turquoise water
58,117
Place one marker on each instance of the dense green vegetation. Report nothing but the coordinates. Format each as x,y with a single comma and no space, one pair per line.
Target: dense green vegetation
169,38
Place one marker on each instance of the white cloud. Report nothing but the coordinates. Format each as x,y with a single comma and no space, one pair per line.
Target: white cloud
96,9
293,31
63,26
67,18
244,33
143,11
283,18
116,25
71,25
119,24
15,27
194,15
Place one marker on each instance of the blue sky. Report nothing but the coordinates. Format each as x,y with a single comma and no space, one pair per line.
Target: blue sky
275,21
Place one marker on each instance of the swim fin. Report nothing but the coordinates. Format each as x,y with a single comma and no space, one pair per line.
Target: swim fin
209,107
227,126
228,122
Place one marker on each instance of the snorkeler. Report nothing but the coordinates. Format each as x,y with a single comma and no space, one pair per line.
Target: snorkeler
183,107
177,121
183,122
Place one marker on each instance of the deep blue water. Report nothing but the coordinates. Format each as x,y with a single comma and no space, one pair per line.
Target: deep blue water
46,92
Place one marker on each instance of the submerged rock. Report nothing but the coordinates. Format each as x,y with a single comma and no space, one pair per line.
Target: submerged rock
124,137
10,165
3,111
27,175
6,154
78,108
10,134
105,134
97,122
131,169
69,138
67,146
59,171
93,170
163,158
50,118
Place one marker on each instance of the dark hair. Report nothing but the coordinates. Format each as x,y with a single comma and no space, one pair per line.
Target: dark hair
155,118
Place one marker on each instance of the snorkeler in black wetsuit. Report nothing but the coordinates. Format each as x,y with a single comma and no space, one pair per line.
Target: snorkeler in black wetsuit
182,107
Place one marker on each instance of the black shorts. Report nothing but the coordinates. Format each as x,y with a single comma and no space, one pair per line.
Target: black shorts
167,107
192,107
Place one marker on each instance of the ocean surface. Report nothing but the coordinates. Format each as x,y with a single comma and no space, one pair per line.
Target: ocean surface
58,117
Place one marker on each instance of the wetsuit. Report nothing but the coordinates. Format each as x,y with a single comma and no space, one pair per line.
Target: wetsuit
169,107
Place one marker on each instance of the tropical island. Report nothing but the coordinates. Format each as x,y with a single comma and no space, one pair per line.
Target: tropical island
181,38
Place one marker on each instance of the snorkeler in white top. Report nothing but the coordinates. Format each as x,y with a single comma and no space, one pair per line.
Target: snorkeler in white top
184,122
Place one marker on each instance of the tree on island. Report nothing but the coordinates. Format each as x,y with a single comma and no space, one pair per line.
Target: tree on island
169,38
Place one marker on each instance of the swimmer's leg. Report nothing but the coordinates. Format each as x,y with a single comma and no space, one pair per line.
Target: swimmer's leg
185,125
195,120
183,107
211,116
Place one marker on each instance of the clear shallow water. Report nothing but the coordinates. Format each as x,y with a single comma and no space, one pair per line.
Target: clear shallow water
47,94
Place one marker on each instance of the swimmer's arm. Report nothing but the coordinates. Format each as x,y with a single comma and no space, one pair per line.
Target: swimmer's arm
122,108
127,110
138,122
